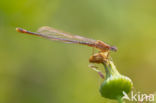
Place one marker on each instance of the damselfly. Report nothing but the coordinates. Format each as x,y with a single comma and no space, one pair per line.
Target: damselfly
54,34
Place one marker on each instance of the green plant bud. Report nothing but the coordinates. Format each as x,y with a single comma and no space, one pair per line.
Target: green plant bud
115,83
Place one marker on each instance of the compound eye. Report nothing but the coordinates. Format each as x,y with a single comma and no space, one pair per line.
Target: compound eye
113,48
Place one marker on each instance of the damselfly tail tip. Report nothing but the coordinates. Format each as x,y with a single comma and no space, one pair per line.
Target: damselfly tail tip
20,30
113,48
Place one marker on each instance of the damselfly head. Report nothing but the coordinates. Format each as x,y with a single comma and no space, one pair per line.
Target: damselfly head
113,48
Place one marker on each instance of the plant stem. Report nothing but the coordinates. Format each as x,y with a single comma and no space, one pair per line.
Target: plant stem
110,69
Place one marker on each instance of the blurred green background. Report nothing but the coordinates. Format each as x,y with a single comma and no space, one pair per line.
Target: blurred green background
36,70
